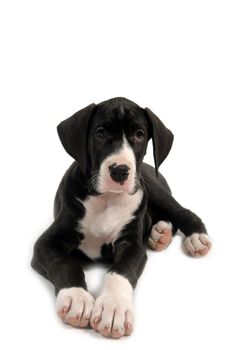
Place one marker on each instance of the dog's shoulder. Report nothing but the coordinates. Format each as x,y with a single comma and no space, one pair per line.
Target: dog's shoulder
71,188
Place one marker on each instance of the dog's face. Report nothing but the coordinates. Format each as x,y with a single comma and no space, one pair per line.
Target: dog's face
117,142
109,142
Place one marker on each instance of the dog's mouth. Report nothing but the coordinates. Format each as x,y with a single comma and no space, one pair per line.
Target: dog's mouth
100,184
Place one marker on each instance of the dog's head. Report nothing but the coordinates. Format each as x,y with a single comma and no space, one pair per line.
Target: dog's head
109,141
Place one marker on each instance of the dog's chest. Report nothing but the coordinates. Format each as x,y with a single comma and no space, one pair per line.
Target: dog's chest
105,217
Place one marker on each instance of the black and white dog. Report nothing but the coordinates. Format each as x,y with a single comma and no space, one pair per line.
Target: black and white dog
110,206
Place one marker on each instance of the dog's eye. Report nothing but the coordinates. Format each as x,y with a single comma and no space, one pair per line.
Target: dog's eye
100,133
139,135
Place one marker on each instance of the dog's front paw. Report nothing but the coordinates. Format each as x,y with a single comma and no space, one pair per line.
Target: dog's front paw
198,244
74,306
112,316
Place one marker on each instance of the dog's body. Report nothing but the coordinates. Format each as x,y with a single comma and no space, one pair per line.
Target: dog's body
109,206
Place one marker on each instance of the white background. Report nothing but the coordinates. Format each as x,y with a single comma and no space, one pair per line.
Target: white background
171,56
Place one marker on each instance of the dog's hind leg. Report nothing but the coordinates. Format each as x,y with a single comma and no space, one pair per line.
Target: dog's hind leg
160,235
162,206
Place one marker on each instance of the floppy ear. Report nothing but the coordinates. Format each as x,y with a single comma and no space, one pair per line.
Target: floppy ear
73,135
162,138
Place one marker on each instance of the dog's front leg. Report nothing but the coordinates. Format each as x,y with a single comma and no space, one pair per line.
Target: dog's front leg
52,259
113,311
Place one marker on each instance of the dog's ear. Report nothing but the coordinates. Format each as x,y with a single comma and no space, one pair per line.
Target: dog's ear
73,135
162,138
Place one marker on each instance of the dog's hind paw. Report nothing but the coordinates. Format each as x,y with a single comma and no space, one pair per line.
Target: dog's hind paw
198,244
160,236
74,306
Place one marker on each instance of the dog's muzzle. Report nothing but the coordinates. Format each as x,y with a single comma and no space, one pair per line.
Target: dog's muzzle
119,173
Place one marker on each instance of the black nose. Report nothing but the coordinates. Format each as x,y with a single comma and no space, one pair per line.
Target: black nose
119,173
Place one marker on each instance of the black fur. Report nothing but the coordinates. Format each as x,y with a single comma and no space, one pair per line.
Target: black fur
56,255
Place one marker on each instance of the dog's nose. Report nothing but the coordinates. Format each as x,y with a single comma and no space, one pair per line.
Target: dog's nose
119,173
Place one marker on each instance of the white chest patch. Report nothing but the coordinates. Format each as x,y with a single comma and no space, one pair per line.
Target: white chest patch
105,217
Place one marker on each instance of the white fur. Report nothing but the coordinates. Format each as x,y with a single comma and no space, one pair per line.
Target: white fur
77,301
125,155
105,217
196,242
156,232
114,307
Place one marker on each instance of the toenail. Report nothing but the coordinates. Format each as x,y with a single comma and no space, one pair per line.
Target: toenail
96,319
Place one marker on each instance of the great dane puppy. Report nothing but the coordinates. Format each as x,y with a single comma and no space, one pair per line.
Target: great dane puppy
110,206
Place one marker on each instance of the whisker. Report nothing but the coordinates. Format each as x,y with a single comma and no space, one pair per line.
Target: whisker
141,181
92,181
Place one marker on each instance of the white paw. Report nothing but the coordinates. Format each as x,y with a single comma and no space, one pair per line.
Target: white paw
160,236
198,244
112,317
112,314
74,306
